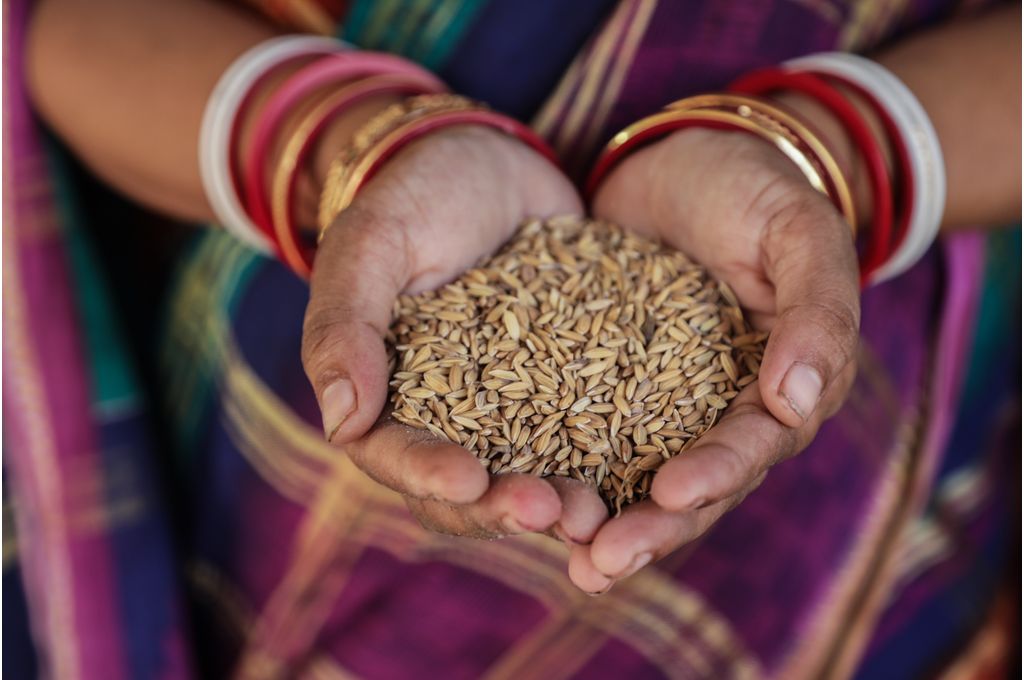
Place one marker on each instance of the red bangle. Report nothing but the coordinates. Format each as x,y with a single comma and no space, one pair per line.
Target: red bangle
331,69
904,179
282,198
879,245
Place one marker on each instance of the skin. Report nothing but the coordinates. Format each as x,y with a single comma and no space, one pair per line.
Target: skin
730,201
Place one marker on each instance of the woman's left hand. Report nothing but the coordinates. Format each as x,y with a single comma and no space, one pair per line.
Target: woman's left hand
741,208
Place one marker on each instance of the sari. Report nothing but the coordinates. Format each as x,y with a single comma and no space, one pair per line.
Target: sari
878,552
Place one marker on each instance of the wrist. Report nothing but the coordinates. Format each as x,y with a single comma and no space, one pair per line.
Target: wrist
842,147
335,136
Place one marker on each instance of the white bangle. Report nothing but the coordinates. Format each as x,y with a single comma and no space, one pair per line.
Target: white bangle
215,135
920,139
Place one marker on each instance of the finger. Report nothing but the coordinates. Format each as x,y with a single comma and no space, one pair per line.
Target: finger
809,257
584,574
732,456
416,464
645,533
513,504
746,441
583,511
348,314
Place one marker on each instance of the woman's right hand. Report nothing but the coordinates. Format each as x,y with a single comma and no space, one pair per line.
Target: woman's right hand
436,208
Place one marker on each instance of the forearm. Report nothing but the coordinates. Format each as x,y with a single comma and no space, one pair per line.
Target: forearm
967,76
125,83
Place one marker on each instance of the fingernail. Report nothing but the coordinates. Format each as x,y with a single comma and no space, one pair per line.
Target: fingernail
562,536
638,563
695,504
337,403
600,592
512,525
801,388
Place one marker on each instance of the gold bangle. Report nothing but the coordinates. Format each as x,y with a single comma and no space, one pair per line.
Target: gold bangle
349,168
803,146
314,117
284,172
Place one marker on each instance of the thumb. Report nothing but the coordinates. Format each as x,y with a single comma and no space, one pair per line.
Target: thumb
361,266
810,258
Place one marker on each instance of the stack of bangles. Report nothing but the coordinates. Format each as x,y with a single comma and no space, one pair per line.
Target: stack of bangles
907,204
257,202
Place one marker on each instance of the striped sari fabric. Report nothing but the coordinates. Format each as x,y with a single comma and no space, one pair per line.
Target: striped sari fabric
878,553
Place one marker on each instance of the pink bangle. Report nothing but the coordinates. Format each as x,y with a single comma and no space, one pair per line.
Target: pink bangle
285,179
330,69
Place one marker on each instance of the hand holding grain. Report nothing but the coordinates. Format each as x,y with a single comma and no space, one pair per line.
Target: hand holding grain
740,208
435,210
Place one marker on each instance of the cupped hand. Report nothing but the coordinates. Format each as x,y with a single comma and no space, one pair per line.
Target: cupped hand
742,209
435,209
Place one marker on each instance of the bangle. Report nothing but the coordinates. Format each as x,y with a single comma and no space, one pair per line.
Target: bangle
394,128
902,180
880,237
908,125
739,113
218,132
331,69
283,230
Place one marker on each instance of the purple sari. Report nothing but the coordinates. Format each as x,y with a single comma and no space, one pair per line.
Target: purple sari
302,567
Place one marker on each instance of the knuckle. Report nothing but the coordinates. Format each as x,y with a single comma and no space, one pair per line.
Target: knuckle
802,222
834,323
737,466
319,332
781,205
427,520
768,442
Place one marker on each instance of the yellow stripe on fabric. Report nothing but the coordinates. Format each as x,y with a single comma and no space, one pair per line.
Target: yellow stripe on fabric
442,21
191,300
620,68
593,75
843,620
869,22
10,534
323,667
556,649
542,578
292,457
407,29
295,470
211,278
226,603
374,34
322,562
931,538
323,553
647,611
221,599
546,118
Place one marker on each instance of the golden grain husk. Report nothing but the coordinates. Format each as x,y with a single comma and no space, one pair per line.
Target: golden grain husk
579,350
